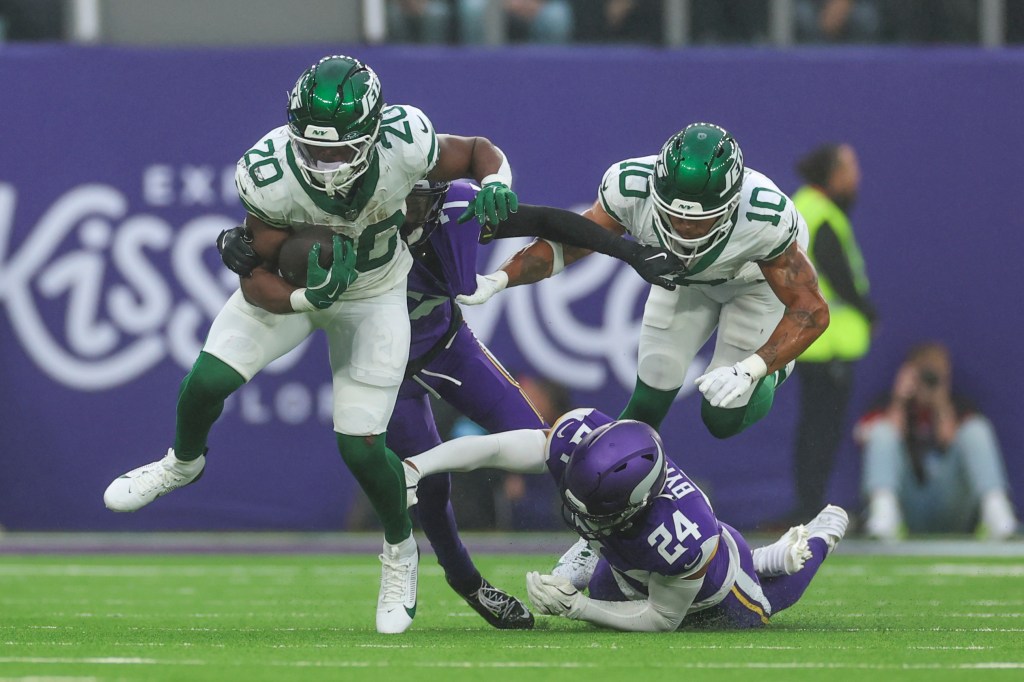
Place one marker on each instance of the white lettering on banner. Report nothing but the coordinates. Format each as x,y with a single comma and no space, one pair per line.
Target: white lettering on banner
291,403
164,185
120,317
554,340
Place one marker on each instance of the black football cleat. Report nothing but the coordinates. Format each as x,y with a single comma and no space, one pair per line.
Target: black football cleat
499,608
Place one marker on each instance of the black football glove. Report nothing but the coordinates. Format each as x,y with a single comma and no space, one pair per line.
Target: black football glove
655,264
235,247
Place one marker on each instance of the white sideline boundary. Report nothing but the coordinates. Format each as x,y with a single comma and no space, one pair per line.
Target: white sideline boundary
21,543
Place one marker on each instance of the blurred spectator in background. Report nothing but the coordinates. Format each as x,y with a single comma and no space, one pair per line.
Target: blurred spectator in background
826,368
535,21
420,21
729,21
930,21
489,499
618,21
31,20
931,461
837,21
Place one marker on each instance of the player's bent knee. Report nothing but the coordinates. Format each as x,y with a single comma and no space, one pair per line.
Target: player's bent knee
361,410
359,420
210,379
661,372
722,422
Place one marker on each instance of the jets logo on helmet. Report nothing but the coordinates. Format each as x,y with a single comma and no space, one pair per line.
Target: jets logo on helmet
334,116
698,175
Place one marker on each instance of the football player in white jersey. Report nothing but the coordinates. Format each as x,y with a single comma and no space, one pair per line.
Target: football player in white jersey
348,161
742,270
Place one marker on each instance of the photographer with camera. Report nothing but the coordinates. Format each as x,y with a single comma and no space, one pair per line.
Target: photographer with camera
932,462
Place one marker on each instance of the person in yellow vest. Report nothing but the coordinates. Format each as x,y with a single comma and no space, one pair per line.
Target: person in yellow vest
826,367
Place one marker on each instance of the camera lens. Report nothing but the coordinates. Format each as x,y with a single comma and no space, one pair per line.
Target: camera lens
929,378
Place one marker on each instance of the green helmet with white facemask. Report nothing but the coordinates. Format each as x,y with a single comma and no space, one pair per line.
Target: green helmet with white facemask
336,103
698,175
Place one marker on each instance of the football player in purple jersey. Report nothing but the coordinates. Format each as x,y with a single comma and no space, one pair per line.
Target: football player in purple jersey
447,361
653,555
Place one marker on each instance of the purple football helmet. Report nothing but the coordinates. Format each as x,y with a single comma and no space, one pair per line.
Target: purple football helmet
612,475
423,211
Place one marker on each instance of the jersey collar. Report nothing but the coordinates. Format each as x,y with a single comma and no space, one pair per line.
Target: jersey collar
705,261
349,208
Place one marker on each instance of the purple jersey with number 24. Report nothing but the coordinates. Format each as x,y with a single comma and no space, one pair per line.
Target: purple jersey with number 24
676,536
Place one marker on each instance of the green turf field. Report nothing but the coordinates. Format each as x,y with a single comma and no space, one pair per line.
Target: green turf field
244,617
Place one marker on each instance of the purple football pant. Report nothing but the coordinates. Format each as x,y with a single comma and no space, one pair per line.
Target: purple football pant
469,379
738,609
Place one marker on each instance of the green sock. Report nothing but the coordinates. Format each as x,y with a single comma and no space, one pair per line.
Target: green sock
381,476
200,402
648,405
723,422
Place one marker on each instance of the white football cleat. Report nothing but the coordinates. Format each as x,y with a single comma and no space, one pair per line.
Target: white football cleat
785,556
577,565
141,486
396,602
829,525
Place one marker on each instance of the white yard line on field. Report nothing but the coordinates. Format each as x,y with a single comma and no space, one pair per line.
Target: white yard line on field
749,665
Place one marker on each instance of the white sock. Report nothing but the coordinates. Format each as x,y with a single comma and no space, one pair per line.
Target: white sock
516,451
406,547
785,556
187,466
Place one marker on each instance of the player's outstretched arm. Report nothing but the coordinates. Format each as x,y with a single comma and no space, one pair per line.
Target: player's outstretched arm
539,260
571,229
519,451
536,261
670,597
793,279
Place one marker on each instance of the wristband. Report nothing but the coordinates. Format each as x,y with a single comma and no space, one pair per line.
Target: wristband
300,303
503,174
557,257
500,278
576,610
493,178
755,366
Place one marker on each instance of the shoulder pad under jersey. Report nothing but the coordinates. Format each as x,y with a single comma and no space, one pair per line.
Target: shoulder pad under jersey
625,190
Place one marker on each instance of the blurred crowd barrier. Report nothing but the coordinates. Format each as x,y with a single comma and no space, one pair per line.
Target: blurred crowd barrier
669,23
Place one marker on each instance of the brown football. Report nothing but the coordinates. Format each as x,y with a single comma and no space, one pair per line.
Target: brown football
294,255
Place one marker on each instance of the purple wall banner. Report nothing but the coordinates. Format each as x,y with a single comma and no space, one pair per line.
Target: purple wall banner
117,176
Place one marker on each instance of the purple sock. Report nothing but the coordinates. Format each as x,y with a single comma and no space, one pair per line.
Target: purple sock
784,590
438,522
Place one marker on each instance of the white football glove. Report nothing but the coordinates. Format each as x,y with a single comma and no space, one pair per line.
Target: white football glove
723,385
412,483
552,595
486,286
